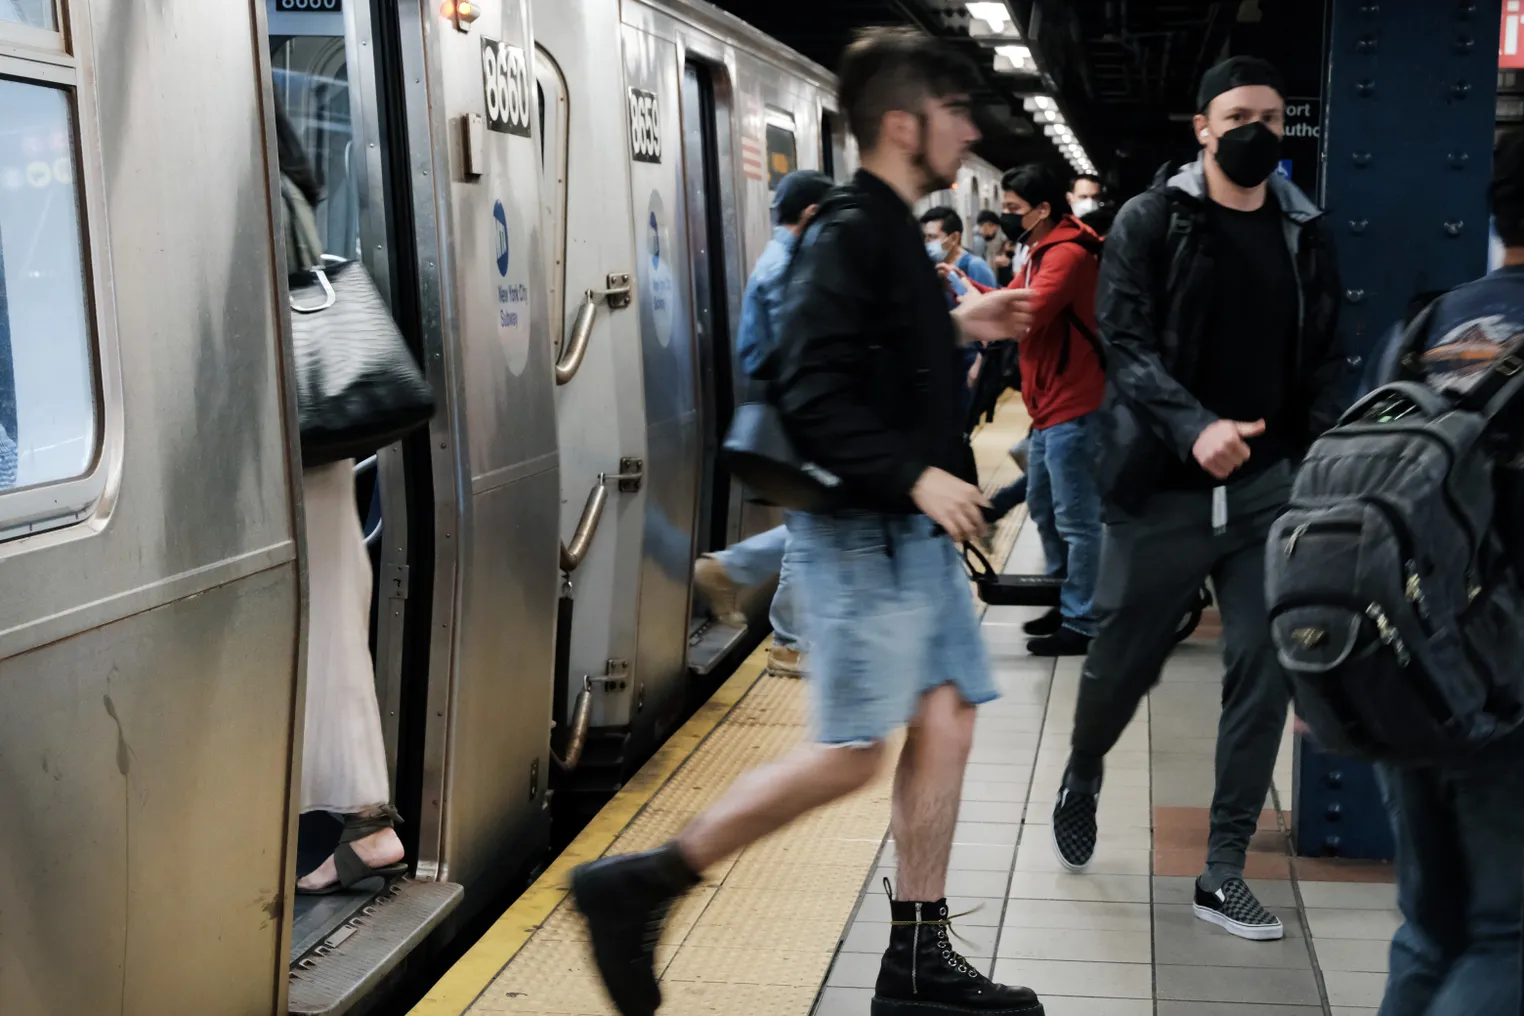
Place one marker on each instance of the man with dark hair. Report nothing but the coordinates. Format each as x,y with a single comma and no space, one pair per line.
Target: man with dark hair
1063,377
870,391
1460,826
987,242
1084,194
942,229
1217,305
721,576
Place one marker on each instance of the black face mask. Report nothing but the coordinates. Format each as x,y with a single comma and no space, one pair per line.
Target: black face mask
1249,154
1011,226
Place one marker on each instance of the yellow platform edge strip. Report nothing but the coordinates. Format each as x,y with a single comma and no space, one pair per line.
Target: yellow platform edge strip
475,971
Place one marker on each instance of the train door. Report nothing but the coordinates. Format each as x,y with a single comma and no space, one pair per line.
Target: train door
330,67
469,94
713,237
588,252
674,439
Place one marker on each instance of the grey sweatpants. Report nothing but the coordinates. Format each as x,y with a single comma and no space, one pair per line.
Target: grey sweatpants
1152,564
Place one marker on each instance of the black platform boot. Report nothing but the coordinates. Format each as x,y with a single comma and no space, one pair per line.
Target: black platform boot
625,900
923,975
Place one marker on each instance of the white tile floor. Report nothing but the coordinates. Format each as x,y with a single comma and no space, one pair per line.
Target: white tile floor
1116,940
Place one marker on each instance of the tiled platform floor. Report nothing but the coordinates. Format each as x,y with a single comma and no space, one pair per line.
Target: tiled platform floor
1120,939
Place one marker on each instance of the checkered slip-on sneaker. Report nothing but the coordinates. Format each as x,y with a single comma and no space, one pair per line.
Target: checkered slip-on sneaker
1237,910
1074,827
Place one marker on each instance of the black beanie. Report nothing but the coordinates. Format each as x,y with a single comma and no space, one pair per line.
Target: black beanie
1236,72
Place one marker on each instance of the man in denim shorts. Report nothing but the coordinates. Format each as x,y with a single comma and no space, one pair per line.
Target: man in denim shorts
871,389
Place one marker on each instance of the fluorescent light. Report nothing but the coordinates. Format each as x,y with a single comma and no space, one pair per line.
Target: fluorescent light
994,14
1048,116
1032,103
1012,58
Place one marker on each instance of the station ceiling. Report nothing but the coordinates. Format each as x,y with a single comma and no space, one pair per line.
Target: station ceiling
1123,71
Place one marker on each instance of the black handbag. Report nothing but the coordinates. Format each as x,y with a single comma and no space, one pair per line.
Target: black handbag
757,451
358,388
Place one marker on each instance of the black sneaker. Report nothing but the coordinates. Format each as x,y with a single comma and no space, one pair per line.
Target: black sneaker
625,901
923,975
1236,909
1064,642
1046,625
1074,827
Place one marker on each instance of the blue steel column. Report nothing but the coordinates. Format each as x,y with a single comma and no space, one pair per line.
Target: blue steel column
1407,153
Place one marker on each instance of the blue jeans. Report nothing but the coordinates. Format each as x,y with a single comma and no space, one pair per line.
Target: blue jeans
1460,885
1066,507
756,559
891,618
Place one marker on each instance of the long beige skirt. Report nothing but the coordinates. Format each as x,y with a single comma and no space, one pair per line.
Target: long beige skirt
343,758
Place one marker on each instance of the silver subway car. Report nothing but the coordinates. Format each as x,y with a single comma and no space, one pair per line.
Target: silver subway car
560,201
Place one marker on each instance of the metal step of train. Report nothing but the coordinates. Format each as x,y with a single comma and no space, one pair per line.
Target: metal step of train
710,642
337,971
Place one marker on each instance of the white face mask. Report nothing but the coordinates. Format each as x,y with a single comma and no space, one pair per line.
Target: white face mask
1084,206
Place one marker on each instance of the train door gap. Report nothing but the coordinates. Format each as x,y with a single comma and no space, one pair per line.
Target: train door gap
706,118
348,120
706,113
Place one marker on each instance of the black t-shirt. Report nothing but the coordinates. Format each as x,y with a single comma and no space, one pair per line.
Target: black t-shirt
1245,367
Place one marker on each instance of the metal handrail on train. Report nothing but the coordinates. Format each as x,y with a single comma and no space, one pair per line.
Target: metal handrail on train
629,480
616,295
582,538
582,715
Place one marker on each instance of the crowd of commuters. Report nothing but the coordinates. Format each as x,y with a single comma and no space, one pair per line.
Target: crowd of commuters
1177,358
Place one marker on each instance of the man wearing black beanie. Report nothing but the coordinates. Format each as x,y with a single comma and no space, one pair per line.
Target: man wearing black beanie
1217,302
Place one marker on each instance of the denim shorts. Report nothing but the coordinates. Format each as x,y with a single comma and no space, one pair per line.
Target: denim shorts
890,618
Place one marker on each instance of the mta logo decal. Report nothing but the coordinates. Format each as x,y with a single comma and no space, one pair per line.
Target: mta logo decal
501,218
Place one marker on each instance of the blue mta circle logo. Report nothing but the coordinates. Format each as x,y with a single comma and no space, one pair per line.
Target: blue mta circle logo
654,241
501,218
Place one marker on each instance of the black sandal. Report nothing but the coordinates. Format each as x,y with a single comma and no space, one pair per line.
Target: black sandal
352,870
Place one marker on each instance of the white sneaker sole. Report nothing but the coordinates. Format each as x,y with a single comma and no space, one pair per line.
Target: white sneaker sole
1252,932
1059,854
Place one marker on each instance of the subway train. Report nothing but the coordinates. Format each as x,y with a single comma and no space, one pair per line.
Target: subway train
560,201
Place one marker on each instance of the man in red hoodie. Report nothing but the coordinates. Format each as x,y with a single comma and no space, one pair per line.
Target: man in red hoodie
1063,378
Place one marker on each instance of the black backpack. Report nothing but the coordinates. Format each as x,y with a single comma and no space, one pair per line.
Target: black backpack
1394,606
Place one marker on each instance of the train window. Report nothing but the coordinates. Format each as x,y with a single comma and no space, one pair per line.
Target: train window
48,406
34,13
782,154
554,127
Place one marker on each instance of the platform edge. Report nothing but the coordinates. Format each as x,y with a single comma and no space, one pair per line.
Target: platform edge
475,971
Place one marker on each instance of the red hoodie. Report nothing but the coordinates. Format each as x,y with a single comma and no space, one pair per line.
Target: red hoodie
1066,277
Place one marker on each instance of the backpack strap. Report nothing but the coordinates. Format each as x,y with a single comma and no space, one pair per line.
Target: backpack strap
1075,323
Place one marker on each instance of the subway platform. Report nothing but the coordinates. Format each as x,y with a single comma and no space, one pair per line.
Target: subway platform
795,925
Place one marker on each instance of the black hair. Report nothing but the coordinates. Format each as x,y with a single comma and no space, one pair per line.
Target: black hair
1035,183
798,191
886,69
987,216
1506,192
1236,72
294,163
1084,176
951,221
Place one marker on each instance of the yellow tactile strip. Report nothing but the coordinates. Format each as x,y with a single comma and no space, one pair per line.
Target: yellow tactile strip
762,927
757,937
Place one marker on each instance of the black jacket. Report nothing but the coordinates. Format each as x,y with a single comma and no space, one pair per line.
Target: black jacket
870,385
1152,307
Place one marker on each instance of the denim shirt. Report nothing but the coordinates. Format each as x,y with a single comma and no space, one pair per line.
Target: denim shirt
763,301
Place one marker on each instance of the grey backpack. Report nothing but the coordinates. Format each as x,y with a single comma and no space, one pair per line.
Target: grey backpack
1394,607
